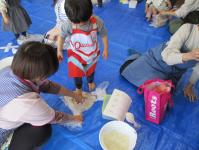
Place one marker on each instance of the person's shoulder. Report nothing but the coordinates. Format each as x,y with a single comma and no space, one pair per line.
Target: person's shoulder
66,24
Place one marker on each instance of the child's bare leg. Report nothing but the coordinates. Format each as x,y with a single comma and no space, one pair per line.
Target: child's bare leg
149,14
78,84
79,92
91,84
154,11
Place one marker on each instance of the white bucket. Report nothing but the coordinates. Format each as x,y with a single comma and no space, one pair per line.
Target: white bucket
122,128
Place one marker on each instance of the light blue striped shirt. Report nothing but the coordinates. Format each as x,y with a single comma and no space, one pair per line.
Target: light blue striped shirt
10,88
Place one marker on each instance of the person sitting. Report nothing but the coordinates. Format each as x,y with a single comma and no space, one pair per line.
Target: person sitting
187,12
24,115
167,61
52,34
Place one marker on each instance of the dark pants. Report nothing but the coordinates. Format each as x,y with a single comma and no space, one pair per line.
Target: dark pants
28,137
17,35
99,3
78,81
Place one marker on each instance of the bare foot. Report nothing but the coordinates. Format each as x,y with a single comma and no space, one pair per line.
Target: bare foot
91,86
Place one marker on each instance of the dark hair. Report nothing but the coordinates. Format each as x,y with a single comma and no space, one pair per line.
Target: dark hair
35,60
78,10
192,17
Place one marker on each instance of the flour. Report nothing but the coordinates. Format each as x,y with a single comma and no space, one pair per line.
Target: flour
115,140
78,109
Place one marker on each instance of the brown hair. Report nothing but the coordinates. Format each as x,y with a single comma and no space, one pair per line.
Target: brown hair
35,60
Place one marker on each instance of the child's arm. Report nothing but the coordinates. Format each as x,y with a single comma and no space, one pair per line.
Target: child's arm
60,44
146,7
103,33
154,11
105,43
148,2
65,31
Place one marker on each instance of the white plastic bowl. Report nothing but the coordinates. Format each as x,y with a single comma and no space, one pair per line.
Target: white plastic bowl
122,128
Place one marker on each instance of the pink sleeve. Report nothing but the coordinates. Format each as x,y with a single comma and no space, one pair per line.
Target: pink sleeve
28,108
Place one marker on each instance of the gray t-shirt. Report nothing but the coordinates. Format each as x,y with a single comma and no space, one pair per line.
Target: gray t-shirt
66,27
184,40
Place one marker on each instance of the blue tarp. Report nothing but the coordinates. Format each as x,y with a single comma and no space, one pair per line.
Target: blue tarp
127,28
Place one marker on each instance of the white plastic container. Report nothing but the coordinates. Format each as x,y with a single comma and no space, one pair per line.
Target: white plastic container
119,127
133,3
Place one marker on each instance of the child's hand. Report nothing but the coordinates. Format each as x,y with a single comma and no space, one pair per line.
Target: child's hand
60,55
189,92
6,20
105,54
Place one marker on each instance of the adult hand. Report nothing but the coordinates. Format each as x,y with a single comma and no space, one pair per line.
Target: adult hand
189,92
71,118
61,117
193,55
78,98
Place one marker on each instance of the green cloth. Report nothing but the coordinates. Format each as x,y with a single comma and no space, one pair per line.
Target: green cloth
175,24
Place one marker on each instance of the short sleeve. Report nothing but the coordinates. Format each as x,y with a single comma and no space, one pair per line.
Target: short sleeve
101,29
66,29
28,108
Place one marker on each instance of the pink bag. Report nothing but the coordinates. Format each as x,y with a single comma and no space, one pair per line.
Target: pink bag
157,95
